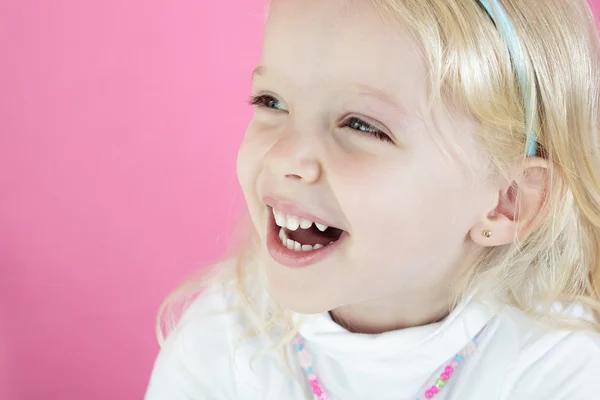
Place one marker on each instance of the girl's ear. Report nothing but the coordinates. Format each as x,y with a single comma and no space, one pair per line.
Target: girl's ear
519,202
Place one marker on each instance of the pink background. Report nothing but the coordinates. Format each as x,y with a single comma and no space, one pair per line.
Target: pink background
119,125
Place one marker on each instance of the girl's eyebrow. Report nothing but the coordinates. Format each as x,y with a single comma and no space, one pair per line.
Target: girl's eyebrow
379,94
258,71
362,89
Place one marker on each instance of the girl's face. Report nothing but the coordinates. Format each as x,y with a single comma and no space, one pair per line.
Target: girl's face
343,132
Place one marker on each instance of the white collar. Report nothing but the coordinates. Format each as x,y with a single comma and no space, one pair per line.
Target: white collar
416,349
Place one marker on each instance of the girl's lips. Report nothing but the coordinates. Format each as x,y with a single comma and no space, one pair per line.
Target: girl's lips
296,259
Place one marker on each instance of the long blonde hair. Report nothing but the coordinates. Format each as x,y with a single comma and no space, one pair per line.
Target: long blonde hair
471,72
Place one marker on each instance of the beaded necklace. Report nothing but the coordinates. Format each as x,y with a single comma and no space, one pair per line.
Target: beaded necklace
305,361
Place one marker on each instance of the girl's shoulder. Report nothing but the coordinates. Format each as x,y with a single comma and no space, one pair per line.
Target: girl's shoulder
549,363
195,360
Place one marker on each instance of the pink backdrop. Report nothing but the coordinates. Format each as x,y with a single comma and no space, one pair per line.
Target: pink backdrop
119,124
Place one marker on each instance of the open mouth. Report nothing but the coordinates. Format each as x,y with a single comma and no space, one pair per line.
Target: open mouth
303,235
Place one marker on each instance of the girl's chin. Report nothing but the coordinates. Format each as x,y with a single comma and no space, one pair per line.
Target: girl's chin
298,297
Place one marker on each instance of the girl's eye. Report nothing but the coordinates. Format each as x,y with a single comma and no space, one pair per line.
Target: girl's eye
266,101
363,127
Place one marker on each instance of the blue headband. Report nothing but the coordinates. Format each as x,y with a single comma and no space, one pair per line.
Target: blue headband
507,31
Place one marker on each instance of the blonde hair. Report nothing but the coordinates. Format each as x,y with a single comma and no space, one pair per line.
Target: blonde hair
471,72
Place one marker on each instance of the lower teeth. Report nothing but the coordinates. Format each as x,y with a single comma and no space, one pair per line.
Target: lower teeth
293,245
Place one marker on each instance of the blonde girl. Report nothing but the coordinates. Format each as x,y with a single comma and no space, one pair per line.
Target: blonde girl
422,179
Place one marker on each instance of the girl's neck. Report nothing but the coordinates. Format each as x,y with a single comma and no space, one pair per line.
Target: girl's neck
390,314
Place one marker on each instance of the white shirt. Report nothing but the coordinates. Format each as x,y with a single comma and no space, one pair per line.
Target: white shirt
516,359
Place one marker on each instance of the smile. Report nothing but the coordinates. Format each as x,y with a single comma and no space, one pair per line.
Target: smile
299,242
301,234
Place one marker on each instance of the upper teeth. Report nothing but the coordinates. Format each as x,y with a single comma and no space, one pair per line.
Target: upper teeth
292,222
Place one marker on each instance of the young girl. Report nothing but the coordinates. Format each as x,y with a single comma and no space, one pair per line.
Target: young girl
423,184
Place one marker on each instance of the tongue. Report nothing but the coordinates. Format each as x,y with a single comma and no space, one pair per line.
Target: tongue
309,236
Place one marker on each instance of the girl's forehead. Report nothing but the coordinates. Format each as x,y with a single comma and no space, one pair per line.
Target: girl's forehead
359,20
328,42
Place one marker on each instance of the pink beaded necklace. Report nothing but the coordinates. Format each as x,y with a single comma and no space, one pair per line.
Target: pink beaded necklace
305,361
